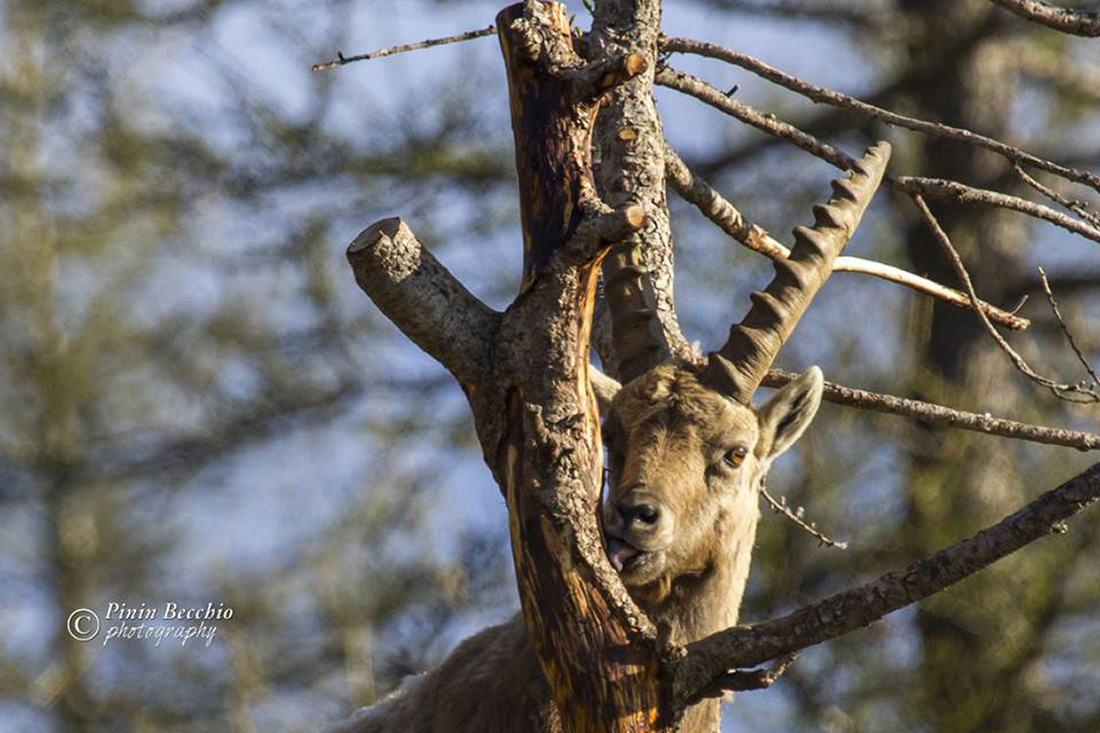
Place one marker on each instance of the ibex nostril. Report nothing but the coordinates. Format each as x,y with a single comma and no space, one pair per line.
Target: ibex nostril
642,513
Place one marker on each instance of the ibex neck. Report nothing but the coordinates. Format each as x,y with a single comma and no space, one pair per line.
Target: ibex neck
708,603
701,605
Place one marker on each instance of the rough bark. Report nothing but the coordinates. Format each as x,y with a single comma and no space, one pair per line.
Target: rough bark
637,274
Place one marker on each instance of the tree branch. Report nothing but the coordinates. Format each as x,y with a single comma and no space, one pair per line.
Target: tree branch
1059,390
1077,207
1076,22
934,414
843,101
423,299
1065,329
931,187
747,646
726,216
741,680
341,59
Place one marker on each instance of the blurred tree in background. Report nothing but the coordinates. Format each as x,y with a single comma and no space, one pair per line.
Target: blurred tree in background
175,351
196,405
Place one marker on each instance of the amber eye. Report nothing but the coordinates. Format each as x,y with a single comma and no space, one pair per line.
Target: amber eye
734,457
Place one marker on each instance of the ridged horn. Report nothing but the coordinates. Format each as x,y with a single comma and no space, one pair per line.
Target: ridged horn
738,367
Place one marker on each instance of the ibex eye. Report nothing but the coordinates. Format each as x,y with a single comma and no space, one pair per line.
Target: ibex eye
735,456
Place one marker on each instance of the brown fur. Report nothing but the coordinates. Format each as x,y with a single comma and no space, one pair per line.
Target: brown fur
666,435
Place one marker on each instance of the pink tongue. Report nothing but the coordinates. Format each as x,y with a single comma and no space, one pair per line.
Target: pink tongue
620,552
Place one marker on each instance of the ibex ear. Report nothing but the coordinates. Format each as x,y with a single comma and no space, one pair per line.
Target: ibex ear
788,413
605,388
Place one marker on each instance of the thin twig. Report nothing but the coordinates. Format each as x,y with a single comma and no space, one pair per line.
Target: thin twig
933,414
1077,207
1077,22
341,59
843,101
780,507
727,217
931,187
1058,389
1065,328
945,190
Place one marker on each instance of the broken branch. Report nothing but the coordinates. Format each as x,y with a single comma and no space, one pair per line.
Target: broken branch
423,299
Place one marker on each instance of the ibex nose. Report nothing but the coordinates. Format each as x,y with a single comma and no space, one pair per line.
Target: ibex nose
639,510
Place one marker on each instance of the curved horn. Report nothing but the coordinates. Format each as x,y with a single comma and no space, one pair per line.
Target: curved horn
737,368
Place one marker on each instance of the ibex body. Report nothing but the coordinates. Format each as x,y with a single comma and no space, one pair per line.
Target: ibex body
687,454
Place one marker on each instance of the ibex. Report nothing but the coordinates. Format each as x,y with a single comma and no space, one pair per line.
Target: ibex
687,455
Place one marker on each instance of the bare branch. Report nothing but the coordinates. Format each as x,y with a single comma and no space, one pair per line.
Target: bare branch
1077,207
341,59
944,190
930,187
934,414
1059,390
779,506
748,646
423,299
836,99
1076,22
726,216
1065,328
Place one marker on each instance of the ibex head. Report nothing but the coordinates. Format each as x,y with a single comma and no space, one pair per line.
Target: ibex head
685,462
686,450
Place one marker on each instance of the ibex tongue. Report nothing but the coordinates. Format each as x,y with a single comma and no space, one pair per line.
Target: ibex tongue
620,552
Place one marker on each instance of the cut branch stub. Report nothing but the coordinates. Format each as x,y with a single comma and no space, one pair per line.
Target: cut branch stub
424,300
554,98
739,366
